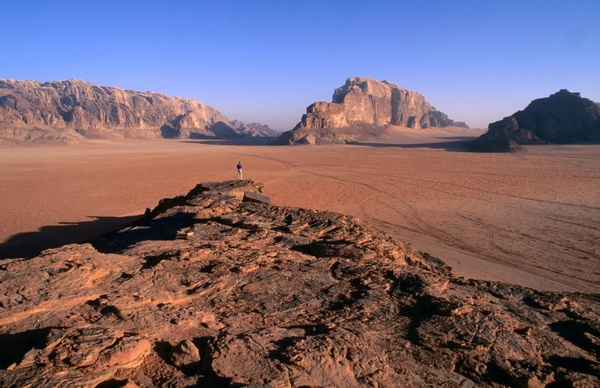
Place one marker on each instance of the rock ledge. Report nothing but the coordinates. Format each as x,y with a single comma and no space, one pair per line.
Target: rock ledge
221,288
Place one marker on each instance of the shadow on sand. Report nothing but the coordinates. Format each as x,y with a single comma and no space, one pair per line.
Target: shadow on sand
255,141
453,144
32,243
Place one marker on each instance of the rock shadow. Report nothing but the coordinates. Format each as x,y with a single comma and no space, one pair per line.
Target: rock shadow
113,383
164,229
253,141
282,345
168,132
454,144
575,332
576,364
19,344
30,244
207,376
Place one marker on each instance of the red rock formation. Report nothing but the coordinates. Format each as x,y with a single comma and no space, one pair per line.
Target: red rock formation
362,108
211,290
74,110
562,118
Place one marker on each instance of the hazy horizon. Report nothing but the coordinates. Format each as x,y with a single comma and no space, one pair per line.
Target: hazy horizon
267,61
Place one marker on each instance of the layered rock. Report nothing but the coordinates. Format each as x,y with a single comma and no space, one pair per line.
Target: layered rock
253,129
75,110
363,108
561,118
221,288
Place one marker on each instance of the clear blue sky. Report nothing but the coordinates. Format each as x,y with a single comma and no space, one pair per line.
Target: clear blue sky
266,61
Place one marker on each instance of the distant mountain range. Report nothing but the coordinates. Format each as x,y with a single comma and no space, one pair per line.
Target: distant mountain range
362,109
66,111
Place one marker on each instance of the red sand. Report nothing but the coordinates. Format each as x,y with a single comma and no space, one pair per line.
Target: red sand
530,218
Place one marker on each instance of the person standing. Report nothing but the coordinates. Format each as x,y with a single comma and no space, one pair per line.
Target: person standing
239,169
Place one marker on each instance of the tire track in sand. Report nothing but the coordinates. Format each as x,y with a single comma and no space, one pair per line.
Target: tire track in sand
480,255
430,230
587,273
456,243
361,204
535,269
490,238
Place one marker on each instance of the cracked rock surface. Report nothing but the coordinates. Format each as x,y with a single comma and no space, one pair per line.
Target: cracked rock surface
220,288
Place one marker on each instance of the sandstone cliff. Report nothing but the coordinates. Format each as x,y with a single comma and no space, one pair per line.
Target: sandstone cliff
362,108
74,110
219,288
562,118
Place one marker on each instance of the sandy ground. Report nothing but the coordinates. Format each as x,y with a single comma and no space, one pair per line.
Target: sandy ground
530,218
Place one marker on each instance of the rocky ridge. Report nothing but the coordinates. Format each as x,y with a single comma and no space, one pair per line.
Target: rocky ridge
362,109
221,288
561,118
74,110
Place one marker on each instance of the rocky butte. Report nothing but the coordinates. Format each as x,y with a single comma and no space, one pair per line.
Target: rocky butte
561,118
362,109
221,288
74,110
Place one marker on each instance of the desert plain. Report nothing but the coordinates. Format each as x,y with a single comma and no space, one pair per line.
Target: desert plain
529,218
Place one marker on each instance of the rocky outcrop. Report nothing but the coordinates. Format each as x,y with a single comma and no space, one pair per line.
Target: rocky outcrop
362,108
562,118
253,129
495,141
212,289
75,110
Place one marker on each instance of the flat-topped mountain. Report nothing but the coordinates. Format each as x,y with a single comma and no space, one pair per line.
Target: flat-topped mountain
220,288
561,118
362,108
74,110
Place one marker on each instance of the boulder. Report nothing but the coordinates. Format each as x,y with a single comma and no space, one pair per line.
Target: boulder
185,354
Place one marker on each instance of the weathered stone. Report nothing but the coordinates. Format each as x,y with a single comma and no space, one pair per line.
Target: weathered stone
263,295
562,118
185,354
74,110
82,356
250,196
362,109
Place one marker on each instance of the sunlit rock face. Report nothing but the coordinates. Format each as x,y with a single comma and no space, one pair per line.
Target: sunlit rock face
361,108
74,110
